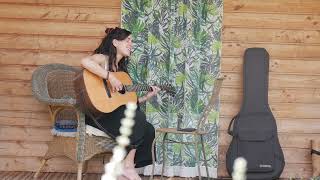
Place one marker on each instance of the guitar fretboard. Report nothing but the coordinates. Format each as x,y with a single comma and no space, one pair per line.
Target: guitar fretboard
136,88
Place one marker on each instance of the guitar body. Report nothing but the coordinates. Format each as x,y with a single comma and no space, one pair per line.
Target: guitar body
96,96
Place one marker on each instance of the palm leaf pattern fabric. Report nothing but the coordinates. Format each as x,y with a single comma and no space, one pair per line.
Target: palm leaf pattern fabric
177,42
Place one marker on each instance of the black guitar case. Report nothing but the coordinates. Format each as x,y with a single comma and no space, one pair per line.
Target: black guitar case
254,132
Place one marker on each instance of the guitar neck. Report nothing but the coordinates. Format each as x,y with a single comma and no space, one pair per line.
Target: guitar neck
137,88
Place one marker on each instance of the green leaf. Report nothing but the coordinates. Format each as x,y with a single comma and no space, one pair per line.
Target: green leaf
176,42
152,39
177,148
124,12
209,79
182,9
200,36
200,106
151,109
147,3
216,46
213,116
180,78
212,9
137,26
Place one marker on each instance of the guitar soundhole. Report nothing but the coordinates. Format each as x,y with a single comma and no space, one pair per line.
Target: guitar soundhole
122,91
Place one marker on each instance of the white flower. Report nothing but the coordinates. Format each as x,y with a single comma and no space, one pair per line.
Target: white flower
132,106
118,153
125,131
127,122
129,114
123,140
239,169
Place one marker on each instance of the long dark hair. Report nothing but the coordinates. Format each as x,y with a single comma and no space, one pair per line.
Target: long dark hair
107,48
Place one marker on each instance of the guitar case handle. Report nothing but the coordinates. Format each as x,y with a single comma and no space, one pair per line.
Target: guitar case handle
230,124
315,152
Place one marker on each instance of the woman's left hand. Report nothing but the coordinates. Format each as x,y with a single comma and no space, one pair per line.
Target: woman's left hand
155,90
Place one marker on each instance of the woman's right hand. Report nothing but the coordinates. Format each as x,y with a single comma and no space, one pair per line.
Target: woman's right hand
115,83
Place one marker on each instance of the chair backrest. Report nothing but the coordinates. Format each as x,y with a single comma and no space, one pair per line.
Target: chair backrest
59,83
53,83
211,102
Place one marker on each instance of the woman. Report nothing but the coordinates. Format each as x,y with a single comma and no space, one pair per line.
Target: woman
112,56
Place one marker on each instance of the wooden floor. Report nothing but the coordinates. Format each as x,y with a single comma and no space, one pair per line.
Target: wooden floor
10,175
63,176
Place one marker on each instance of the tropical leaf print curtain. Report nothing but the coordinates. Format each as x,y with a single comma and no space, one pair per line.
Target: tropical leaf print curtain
177,42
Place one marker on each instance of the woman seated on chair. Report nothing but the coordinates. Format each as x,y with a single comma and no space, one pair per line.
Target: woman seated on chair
112,56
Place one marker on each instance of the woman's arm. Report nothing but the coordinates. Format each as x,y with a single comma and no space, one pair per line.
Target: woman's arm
95,64
143,98
150,94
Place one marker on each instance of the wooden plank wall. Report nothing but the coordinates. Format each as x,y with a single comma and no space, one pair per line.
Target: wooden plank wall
290,31
33,33
36,32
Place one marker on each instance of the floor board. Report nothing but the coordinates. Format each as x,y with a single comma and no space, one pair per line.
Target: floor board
11,175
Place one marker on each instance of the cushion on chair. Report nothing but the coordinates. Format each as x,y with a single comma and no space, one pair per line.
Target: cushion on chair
67,128
66,124
63,132
90,130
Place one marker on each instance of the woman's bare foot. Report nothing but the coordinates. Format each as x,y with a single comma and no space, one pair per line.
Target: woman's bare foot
129,174
129,171
129,160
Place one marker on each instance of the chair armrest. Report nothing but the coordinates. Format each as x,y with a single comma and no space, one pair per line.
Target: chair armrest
44,98
58,102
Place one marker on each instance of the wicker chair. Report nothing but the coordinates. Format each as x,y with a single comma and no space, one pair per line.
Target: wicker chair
52,84
197,133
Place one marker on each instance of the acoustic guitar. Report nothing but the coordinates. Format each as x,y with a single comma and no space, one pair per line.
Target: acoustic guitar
94,94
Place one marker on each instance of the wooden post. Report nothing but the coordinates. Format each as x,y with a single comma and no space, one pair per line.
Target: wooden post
315,155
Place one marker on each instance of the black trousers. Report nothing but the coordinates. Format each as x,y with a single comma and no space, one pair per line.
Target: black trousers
143,133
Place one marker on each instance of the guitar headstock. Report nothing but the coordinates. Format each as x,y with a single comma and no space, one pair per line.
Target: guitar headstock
168,88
